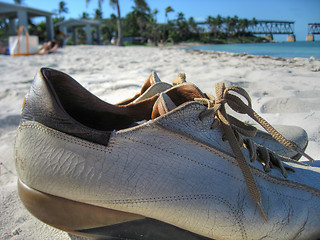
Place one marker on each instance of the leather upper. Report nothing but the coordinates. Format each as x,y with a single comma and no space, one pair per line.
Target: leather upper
173,168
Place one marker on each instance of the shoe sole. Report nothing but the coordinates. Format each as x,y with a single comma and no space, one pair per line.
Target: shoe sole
97,222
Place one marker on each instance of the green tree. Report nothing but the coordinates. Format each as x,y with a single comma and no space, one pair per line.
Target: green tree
253,22
155,29
211,22
18,1
219,22
243,24
167,10
115,4
142,6
141,13
155,13
193,28
99,4
98,14
4,30
108,28
62,8
232,23
182,31
85,15
215,24
130,25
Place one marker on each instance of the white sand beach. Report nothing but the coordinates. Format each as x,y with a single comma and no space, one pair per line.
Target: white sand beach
283,91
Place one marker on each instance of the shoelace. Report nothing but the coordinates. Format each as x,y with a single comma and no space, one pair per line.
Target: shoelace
231,126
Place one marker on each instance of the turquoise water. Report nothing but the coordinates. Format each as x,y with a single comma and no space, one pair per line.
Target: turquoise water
301,49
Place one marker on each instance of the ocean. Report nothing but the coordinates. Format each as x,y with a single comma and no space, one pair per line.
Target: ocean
300,49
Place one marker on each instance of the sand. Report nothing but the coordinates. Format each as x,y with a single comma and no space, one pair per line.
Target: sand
283,91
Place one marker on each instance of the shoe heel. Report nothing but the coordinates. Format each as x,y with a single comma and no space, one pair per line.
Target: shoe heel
97,222
68,215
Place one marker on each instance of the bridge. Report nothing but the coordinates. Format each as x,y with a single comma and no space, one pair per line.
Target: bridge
313,28
270,27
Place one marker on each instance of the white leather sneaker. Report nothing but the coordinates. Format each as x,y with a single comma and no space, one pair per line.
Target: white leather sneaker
86,167
153,85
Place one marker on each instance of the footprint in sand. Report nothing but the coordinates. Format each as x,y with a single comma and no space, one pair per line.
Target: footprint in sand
308,94
290,105
8,121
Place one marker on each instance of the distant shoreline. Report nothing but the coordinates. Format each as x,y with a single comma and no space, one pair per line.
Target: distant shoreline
299,49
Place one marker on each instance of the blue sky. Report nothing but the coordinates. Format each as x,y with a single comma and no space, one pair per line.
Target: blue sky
301,12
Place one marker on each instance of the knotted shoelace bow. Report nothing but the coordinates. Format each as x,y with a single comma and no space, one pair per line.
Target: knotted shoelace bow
232,127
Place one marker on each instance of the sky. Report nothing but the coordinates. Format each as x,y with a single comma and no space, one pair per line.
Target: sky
301,12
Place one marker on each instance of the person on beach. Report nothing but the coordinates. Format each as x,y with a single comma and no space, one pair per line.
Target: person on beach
49,47
60,37
4,49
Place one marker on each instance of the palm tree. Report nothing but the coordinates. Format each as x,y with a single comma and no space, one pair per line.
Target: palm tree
98,14
142,5
154,26
219,22
142,17
194,30
232,23
114,4
168,9
62,8
99,3
211,22
154,13
182,30
85,15
243,25
18,1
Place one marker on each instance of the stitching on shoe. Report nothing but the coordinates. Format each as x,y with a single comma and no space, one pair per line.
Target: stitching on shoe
261,174
63,136
237,215
182,156
257,171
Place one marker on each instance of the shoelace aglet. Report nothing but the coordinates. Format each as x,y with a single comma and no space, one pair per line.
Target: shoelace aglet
262,211
305,155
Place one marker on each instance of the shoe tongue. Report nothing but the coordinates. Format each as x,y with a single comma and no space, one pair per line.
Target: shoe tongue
151,80
163,105
151,86
174,97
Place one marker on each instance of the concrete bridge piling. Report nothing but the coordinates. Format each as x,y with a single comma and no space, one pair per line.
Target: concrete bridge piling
313,28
